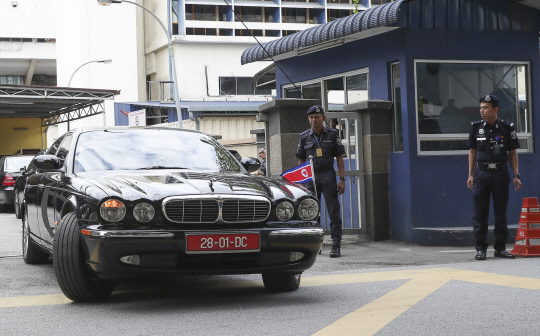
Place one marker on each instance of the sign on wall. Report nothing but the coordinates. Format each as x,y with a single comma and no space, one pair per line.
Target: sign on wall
137,118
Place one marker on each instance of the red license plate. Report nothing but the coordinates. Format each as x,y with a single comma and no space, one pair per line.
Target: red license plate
226,242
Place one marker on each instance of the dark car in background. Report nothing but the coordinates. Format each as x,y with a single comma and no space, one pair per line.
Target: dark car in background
10,169
129,202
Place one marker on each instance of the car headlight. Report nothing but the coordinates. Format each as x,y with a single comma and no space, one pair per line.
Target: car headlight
143,212
308,209
112,210
285,211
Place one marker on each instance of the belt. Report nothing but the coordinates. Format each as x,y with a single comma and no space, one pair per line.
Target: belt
323,168
491,165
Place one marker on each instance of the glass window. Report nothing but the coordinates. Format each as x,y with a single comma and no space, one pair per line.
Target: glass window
334,14
244,85
63,150
448,100
227,85
147,148
357,88
292,93
205,13
12,80
396,120
14,164
335,91
248,14
293,15
380,2
54,147
313,16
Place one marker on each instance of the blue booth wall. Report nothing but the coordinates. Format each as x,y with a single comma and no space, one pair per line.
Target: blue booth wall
428,191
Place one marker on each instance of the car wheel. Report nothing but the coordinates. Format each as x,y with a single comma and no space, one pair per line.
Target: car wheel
76,280
281,282
17,205
31,253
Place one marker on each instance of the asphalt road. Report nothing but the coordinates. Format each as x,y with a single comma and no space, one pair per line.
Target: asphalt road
384,288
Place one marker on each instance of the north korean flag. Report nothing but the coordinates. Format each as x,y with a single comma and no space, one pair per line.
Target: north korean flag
299,174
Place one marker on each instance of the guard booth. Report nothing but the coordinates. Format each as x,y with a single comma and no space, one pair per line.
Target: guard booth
27,111
432,60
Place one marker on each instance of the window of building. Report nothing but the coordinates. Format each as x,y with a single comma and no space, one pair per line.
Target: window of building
380,2
12,80
289,32
156,115
293,15
397,123
230,86
334,14
248,14
339,1
448,96
206,12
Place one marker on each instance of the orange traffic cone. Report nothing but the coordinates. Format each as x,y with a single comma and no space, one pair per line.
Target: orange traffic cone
528,233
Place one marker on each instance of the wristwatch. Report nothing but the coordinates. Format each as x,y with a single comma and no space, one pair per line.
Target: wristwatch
518,176
342,178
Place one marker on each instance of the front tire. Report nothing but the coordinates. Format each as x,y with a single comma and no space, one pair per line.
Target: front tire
76,280
31,253
281,282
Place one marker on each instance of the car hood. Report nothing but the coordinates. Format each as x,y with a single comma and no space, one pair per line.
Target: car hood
157,184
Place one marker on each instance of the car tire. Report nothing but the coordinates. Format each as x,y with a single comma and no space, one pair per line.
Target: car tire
76,280
17,205
281,282
32,254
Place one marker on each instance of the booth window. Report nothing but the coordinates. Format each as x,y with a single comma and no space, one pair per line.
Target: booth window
230,86
447,101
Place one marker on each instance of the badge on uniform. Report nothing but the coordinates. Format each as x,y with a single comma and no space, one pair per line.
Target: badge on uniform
338,141
514,136
319,151
481,131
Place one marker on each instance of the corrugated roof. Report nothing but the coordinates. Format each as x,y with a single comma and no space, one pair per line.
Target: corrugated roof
424,14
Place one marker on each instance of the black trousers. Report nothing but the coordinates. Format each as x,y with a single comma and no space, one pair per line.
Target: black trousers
495,183
327,185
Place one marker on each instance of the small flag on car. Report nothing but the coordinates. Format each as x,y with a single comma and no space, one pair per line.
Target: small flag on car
299,174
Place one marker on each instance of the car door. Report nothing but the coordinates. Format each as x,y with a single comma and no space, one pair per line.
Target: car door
45,199
62,181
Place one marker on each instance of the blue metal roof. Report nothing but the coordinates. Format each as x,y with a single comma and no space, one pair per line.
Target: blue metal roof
423,14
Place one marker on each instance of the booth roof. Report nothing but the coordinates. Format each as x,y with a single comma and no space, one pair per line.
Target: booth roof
428,14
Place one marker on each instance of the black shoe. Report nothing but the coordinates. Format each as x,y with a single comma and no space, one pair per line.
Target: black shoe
481,255
335,253
504,254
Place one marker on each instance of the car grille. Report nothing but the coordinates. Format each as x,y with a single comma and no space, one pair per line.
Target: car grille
207,210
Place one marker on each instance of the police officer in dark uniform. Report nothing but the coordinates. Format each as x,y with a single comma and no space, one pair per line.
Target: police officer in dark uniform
492,142
323,144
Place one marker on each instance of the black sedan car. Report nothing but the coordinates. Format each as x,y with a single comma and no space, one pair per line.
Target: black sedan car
126,202
10,169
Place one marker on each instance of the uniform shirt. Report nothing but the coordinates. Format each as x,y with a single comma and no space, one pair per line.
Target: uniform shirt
328,141
483,137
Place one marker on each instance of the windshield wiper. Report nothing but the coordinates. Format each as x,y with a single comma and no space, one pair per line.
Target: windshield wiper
160,167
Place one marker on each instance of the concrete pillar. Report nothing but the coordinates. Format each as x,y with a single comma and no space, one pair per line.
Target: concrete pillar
285,120
376,117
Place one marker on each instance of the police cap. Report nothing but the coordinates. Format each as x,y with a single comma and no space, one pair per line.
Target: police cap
493,100
315,109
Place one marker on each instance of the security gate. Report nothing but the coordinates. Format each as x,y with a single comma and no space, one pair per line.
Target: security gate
352,202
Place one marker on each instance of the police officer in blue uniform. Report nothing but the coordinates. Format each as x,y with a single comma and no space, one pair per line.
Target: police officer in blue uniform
323,144
492,142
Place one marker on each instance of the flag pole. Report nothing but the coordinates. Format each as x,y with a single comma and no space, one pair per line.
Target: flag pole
313,176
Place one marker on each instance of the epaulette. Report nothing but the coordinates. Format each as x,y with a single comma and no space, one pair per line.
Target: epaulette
476,122
507,123
332,130
305,132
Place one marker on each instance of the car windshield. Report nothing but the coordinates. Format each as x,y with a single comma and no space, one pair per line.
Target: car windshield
14,164
151,149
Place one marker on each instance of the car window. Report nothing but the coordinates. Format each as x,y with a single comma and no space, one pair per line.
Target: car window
63,149
54,148
151,149
14,164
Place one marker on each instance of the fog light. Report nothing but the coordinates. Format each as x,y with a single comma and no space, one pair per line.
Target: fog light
296,256
131,259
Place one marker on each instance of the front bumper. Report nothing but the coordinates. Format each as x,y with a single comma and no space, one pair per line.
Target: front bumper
164,252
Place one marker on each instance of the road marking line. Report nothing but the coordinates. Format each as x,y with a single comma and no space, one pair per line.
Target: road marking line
38,300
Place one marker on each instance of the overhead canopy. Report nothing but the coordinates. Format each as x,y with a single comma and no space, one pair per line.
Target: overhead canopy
53,105
266,78
427,14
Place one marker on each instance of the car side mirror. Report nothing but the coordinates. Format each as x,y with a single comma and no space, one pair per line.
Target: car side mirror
47,162
23,170
251,164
